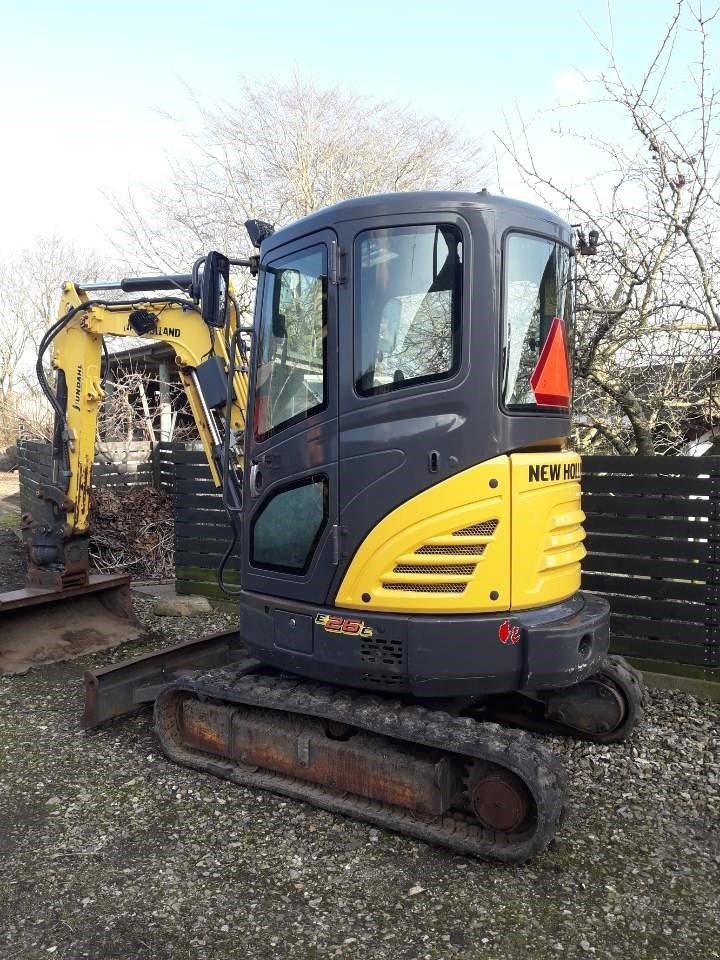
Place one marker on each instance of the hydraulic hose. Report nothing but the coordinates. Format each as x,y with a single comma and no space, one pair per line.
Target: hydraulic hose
232,510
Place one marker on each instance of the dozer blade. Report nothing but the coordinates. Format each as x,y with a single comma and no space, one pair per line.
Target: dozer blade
116,690
43,626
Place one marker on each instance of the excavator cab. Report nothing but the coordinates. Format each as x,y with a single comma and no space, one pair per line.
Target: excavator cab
409,496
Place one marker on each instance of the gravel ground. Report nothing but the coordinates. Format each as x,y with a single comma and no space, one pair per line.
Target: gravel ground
109,851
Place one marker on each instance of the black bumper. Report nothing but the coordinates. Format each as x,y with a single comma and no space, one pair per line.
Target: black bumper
554,646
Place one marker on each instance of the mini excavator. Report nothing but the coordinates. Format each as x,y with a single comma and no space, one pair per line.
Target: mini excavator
392,452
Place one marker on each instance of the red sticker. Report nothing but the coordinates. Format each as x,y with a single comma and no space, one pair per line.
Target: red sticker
507,633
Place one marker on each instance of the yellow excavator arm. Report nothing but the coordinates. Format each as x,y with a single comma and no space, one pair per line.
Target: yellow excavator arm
77,359
64,609
200,320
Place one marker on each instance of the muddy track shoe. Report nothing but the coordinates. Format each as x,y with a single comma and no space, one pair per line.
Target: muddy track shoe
474,787
604,708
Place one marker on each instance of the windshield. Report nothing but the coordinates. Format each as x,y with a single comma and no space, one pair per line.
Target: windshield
538,323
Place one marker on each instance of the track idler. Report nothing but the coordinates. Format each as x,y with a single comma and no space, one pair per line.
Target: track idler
604,708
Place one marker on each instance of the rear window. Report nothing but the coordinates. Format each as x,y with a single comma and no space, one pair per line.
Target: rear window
538,323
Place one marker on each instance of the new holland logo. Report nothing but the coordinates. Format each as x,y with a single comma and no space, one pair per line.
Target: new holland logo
348,625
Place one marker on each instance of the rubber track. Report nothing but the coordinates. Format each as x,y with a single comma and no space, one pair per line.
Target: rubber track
629,680
631,685
514,750
614,669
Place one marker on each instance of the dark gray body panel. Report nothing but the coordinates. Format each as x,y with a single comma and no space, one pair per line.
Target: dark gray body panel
382,443
301,450
551,647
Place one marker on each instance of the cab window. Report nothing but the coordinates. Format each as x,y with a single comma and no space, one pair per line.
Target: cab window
408,287
291,371
538,311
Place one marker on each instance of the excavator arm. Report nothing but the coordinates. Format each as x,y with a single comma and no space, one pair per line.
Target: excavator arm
202,355
202,325
63,609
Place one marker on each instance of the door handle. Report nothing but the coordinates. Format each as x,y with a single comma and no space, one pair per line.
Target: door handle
256,480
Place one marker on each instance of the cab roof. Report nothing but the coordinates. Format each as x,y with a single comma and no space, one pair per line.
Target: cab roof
411,203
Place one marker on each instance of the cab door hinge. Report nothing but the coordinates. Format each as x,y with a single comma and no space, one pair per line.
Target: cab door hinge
336,263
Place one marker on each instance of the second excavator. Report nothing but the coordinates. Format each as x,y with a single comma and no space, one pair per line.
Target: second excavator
393,455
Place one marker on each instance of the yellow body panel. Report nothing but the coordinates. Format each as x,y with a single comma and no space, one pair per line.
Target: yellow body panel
547,533
447,550
503,535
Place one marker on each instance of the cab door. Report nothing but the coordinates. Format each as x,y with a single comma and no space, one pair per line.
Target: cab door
290,485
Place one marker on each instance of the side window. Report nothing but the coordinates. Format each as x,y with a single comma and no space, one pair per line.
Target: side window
288,528
408,286
538,314
291,375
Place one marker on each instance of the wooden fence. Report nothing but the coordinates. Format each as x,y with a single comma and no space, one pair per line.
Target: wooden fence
653,541
131,464
202,530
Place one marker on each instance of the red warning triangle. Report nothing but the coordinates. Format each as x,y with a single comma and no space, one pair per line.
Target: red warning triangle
550,379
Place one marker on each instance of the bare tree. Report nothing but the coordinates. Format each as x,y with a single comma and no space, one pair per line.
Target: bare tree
281,151
134,403
30,286
648,305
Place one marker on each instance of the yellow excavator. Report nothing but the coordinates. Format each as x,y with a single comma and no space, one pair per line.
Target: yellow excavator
392,452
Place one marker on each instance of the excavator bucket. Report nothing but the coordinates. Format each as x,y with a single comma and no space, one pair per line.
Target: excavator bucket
40,625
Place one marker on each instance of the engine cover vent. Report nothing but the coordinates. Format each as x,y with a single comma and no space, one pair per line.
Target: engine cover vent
485,529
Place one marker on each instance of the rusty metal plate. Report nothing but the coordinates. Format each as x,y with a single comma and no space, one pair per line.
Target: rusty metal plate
112,691
367,765
34,596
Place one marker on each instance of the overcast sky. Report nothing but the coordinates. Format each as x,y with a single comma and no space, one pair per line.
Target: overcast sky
82,83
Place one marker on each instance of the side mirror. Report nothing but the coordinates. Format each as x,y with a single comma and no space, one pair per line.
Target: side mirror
214,289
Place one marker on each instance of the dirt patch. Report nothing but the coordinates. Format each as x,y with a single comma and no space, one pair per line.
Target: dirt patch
10,489
63,630
9,493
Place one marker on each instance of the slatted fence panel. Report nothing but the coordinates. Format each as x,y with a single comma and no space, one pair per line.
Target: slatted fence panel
202,529
120,464
34,468
653,538
124,464
653,528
